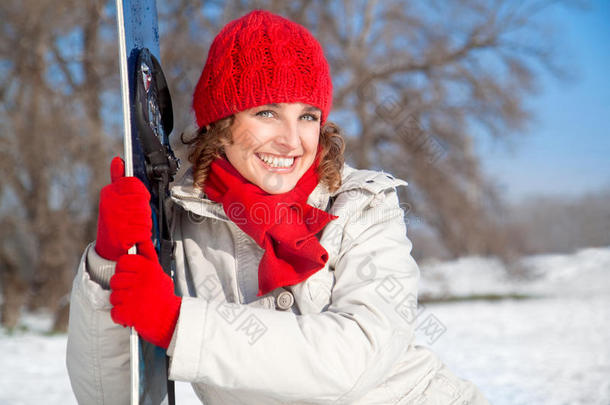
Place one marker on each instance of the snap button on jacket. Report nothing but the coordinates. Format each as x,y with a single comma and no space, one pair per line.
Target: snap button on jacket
284,300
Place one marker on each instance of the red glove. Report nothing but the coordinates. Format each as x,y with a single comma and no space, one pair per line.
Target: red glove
124,215
143,296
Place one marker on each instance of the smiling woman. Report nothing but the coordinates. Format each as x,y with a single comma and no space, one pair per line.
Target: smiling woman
273,145
285,258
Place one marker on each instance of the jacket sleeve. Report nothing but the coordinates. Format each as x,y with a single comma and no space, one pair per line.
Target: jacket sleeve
98,349
333,356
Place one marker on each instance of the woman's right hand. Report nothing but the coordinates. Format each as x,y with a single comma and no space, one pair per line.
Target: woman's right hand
125,216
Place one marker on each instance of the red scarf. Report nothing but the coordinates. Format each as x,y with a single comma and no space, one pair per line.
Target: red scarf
284,225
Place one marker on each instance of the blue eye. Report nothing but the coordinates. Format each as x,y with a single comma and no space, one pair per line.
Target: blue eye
310,117
265,114
270,114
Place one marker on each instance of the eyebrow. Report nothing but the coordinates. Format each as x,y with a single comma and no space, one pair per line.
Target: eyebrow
312,109
308,108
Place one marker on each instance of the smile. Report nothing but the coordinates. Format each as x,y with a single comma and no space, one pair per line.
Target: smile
275,161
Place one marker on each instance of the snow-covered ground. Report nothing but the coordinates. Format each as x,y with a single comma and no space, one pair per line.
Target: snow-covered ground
584,273
33,371
550,350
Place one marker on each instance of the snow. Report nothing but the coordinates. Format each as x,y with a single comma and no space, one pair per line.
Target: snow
584,273
554,349
547,351
33,367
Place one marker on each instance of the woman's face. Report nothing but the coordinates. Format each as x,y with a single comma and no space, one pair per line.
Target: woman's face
274,144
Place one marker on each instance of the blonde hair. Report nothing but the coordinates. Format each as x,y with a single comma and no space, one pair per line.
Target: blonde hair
208,145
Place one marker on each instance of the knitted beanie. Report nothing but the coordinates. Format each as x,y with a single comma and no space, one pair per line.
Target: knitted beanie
261,58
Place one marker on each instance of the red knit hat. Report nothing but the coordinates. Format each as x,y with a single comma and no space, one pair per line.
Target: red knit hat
258,59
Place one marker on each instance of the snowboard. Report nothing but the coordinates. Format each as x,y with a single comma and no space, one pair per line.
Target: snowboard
148,121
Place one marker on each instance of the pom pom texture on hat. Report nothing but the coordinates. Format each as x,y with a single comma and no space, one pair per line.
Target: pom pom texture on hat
258,59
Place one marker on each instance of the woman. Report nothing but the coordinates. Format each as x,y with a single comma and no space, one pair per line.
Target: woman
294,281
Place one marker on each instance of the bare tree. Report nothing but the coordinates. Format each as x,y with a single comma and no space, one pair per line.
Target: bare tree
52,147
413,81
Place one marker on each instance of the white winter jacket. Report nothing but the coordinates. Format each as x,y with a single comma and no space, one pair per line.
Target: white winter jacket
343,336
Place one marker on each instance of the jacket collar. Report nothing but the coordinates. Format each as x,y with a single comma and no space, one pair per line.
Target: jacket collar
184,194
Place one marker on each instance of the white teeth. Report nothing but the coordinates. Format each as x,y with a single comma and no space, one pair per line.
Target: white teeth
274,161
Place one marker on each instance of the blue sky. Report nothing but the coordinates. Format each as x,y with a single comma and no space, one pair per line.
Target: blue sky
566,150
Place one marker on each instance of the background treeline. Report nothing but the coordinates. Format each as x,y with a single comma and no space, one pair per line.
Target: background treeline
540,224
412,83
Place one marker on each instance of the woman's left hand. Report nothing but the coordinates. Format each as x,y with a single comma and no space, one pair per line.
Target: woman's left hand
143,296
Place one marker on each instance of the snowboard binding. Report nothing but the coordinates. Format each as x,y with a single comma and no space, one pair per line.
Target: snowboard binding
154,118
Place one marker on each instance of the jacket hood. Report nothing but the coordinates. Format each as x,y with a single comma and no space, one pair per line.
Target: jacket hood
193,200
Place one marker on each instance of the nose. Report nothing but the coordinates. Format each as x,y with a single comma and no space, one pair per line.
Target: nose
288,137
